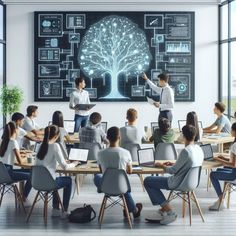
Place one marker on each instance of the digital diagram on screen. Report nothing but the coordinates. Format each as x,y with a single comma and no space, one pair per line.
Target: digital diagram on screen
111,50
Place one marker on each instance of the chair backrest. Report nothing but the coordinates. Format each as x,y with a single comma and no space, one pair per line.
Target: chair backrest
165,151
115,182
133,149
191,179
5,178
94,148
41,179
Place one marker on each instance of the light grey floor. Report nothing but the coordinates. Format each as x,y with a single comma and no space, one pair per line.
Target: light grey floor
12,222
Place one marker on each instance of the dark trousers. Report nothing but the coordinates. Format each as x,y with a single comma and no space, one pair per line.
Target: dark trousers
166,114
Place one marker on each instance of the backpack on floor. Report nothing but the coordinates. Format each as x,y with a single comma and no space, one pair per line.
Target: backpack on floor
82,214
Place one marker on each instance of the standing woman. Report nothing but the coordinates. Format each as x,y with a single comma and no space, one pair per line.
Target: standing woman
79,96
50,155
9,153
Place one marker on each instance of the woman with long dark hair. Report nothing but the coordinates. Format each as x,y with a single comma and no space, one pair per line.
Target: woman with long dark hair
50,155
228,173
10,153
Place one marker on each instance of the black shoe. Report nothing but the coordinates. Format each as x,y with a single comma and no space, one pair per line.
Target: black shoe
139,206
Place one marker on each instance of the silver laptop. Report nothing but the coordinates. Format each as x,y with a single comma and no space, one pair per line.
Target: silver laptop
146,157
208,152
69,126
182,123
79,154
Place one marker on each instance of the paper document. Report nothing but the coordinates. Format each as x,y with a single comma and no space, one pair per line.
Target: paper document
150,101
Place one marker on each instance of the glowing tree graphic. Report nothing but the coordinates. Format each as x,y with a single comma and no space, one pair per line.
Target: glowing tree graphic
114,45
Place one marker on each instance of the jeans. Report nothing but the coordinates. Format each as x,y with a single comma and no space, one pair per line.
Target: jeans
66,183
20,175
80,121
153,185
224,174
166,114
129,200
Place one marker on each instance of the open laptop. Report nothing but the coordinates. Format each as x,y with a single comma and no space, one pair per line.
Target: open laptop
104,126
182,123
208,152
79,154
146,157
69,126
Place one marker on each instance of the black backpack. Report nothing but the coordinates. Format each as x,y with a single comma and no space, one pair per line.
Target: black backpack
82,214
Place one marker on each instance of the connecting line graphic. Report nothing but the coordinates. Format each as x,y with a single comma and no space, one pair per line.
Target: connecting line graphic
114,46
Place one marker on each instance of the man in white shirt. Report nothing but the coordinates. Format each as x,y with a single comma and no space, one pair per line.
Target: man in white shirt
79,96
119,158
166,103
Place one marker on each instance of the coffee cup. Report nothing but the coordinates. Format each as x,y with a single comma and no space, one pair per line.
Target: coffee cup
30,160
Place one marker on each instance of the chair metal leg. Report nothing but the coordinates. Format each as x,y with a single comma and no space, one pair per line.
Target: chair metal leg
142,181
170,195
198,206
103,210
32,207
184,205
19,196
59,200
45,208
190,208
127,211
99,216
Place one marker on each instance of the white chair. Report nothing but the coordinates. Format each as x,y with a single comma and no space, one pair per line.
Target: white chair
43,182
114,191
186,188
9,185
165,151
229,187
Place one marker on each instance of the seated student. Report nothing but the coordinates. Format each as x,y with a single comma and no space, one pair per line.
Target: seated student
190,156
222,123
228,173
93,132
10,153
50,155
163,134
192,119
18,118
119,158
130,133
30,125
57,119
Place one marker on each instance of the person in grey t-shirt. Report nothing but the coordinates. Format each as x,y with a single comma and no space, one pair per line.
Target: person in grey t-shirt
190,156
222,123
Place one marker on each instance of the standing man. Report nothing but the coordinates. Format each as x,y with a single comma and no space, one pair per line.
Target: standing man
79,96
166,103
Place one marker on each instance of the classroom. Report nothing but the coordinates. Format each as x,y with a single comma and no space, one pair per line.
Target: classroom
118,117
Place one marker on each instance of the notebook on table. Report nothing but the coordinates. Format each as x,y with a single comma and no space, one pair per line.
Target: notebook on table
146,157
79,154
208,152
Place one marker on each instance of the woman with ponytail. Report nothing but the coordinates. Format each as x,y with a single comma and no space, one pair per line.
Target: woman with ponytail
9,153
228,173
50,155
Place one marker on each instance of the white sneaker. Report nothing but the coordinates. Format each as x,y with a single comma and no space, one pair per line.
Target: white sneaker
215,206
154,217
56,212
64,215
168,217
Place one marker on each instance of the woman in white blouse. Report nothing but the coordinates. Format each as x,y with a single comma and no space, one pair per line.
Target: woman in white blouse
50,155
10,153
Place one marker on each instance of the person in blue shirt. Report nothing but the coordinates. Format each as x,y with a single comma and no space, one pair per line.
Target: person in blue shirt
222,123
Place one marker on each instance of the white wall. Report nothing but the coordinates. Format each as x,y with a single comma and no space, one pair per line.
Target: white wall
20,59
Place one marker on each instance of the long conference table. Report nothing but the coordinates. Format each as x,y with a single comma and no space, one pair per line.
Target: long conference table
220,140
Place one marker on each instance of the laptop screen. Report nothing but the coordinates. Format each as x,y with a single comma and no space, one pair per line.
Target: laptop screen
78,154
104,126
182,123
207,151
146,155
69,126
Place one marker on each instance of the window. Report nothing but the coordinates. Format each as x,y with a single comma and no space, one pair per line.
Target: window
2,52
227,58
